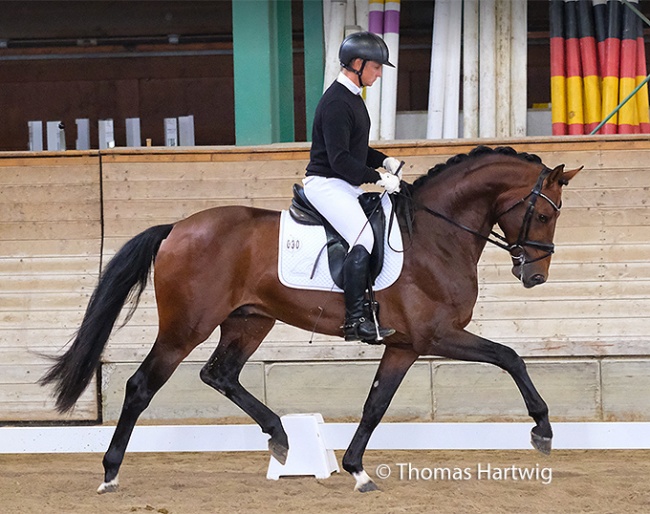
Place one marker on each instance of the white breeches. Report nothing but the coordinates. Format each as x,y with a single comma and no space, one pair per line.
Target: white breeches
337,200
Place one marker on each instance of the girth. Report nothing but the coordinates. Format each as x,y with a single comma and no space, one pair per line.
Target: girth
303,212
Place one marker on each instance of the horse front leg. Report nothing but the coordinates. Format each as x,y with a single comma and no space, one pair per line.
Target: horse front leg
462,345
241,335
393,366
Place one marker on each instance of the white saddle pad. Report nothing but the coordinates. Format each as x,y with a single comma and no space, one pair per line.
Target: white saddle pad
301,244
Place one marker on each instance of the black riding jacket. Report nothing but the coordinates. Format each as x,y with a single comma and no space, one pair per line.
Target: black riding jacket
340,138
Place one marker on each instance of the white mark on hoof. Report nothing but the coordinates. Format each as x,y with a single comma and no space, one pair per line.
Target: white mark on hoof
363,480
108,487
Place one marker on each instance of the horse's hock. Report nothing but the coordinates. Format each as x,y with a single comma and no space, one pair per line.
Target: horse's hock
584,334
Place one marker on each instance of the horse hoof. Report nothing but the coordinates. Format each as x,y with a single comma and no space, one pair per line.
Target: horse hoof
278,451
540,443
108,487
364,482
367,487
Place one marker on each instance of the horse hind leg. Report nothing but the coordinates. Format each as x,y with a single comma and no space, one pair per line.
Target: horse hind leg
152,374
241,335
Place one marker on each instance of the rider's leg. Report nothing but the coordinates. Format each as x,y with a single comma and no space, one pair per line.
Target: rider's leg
355,279
338,202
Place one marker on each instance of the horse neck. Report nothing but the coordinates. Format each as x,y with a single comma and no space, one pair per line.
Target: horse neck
471,193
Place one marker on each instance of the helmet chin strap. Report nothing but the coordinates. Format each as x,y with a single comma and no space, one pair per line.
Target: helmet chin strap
359,72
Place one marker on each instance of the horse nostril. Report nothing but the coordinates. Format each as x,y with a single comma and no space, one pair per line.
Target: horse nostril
538,279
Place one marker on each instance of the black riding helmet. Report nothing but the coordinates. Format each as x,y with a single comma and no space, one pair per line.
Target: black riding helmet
366,46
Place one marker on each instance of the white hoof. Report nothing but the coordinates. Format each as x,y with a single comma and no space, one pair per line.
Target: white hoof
108,487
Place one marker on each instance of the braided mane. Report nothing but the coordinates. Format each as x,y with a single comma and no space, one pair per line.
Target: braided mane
479,151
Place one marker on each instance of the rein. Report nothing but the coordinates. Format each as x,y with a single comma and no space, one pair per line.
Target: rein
517,249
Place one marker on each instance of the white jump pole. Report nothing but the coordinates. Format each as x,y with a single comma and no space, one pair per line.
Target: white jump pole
452,73
470,69
389,77
487,68
335,32
362,10
518,64
373,94
503,103
438,69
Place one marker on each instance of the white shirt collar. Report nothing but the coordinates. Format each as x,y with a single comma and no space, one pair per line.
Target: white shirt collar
347,82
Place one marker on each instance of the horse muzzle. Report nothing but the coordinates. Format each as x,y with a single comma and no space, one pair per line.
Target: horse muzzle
527,274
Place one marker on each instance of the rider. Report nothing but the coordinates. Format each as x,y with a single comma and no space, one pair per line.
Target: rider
341,160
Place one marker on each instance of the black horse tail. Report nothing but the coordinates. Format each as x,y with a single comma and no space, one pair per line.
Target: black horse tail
125,276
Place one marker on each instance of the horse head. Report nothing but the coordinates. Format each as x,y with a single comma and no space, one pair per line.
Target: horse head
529,225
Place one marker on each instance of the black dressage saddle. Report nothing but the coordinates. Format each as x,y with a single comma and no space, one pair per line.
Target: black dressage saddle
303,212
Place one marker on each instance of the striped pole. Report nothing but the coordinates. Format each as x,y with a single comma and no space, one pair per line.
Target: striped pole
600,30
628,121
575,116
590,77
388,109
373,94
641,72
558,77
611,70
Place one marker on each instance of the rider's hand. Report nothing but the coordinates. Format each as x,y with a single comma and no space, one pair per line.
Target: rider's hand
389,182
393,166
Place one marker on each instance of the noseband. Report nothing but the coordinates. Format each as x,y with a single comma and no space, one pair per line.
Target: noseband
517,250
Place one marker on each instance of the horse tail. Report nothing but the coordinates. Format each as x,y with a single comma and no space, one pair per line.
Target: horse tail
125,277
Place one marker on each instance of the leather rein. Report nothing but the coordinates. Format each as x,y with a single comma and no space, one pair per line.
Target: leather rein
517,249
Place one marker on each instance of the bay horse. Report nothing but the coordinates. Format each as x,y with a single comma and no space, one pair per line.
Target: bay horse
218,268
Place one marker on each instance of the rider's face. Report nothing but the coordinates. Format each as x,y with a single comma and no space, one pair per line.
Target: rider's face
371,71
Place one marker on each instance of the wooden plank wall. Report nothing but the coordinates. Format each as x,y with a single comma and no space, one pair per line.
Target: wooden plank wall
589,320
50,235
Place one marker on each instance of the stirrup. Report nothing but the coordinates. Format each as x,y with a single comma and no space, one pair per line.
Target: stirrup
362,329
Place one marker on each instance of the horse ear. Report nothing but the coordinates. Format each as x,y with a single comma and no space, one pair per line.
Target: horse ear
568,175
560,176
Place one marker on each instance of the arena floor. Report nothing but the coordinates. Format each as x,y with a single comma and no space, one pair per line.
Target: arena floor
424,481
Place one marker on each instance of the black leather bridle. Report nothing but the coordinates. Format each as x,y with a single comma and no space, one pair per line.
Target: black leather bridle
517,250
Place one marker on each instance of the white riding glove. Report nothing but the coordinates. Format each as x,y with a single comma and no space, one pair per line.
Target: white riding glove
392,166
389,182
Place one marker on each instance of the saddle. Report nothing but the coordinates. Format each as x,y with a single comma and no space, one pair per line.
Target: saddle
303,212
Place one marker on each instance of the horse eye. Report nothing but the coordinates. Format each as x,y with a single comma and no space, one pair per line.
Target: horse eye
543,218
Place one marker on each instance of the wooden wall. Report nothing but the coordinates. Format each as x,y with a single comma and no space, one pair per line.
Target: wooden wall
584,334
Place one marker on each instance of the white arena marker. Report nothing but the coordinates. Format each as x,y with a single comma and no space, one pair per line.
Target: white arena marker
309,453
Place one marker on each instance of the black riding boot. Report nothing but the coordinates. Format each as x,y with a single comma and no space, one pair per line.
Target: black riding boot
355,279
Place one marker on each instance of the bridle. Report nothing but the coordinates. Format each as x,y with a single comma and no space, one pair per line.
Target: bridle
517,250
